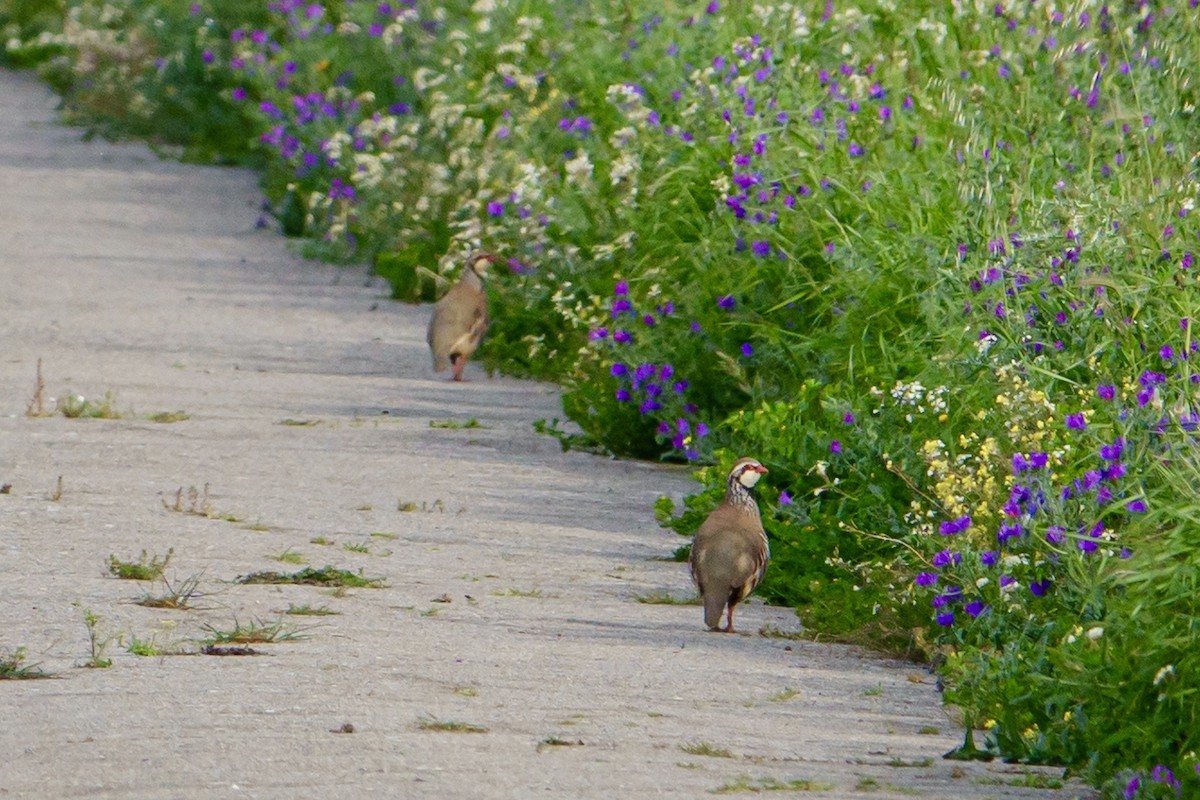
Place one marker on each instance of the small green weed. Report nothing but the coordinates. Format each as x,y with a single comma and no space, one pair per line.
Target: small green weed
705,749
744,783
97,642
288,557
351,547
76,406
146,568
518,593
14,668
409,506
581,442
255,632
449,726
178,597
167,417
1031,780
150,648
310,611
784,696
325,576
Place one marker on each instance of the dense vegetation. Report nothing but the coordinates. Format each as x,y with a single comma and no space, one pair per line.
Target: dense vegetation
933,266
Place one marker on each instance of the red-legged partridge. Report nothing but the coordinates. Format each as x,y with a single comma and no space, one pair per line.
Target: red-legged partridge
730,551
460,318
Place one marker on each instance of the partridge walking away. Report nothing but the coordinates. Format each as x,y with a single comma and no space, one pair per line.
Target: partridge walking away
460,318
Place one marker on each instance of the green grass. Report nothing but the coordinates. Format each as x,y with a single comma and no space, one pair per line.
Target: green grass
1028,779
310,611
288,557
14,668
744,783
167,417
254,632
325,576
510,592
145,568
449,726
705,749
75,406
150,648
179,596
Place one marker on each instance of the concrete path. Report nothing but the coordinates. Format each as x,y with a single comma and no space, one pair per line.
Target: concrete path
508,655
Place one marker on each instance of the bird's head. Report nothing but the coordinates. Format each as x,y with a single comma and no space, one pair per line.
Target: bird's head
746,471
479,261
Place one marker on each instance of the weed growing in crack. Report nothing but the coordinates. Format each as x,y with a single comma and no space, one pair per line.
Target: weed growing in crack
146,568
150,648
310,611
167,417
254,632
705,749
97,642
744,783
76,406
288,557
325,576
449,726
178,597
14,668
519,593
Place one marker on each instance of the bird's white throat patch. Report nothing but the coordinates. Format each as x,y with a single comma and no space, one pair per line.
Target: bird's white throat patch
749,477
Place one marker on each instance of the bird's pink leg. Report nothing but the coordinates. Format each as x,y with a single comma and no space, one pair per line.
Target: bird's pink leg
729,619
459,365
